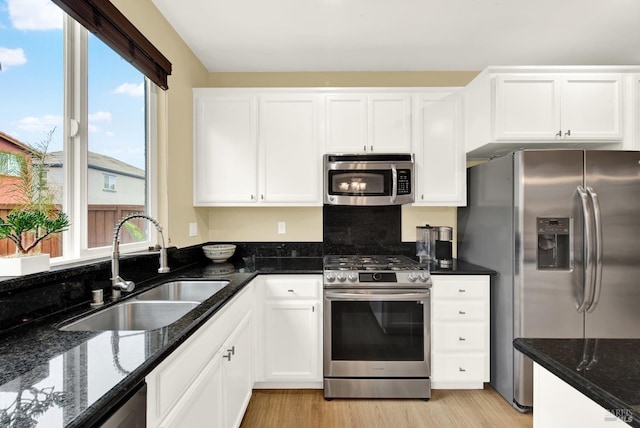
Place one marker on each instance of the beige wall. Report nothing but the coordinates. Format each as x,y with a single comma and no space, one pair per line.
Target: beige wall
176,142
175,131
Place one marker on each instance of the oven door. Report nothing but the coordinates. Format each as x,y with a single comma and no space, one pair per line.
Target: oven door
377,333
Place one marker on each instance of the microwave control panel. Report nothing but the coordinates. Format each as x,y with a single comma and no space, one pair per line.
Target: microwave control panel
404,182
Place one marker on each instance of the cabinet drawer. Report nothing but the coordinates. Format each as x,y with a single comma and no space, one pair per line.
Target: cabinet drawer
291,287
447,367
460,287
459,337
459,310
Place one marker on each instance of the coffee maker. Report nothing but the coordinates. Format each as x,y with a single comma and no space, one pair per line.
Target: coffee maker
434,244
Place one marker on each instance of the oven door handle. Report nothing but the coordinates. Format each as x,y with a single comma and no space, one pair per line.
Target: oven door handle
385,296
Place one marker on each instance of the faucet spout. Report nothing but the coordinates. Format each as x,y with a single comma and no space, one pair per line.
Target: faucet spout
117,283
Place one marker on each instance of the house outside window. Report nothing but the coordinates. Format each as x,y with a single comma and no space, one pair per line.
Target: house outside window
109,183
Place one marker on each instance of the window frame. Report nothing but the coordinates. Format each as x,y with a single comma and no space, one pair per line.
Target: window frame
75,151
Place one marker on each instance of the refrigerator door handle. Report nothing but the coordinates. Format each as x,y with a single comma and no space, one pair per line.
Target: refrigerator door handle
597,222
588,271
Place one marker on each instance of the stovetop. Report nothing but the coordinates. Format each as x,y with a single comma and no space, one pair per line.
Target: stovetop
371,263
376,271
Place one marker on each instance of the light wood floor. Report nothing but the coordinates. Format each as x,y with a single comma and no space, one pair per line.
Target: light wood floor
447,408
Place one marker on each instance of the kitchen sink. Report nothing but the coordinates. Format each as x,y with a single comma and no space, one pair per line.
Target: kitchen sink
184,290
133,315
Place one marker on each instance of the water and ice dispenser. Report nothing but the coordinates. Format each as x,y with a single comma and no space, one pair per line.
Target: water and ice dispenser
554,243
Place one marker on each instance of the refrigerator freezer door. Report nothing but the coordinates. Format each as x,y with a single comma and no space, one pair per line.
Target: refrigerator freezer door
615,177
546,300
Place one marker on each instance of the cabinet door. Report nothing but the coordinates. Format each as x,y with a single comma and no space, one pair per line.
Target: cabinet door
202,405
237,373
290,157
346,123
591,107
225,149
291,341
527,108
390,123
440,156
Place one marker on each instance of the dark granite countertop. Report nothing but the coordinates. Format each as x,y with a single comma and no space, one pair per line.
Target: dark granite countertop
73,379
612,380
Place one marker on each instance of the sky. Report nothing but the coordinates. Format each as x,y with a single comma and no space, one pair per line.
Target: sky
31,85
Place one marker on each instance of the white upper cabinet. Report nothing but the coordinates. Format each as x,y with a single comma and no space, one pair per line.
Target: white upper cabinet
513,108
289,156
368,123
226,148
253,148
264,146
571,107
440,157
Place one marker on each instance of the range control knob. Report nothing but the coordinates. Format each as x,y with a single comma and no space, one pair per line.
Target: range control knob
341,277
423,277
330,276
412,277
352,277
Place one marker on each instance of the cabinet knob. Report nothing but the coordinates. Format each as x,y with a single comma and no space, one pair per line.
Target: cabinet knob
422,197
568,133
364,148
252,197
262,197
371,148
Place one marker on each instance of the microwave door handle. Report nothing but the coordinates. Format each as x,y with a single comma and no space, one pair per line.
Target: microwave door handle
587,262
597,222
394,183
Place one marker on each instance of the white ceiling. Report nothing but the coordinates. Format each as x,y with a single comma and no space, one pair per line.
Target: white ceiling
405,35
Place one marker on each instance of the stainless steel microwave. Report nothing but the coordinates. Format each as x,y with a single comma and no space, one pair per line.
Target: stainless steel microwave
368,179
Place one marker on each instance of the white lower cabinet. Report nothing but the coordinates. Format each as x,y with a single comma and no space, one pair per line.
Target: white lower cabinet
460,331
558,404
289,332
208,380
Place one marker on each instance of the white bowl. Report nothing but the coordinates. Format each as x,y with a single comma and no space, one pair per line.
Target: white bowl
219,253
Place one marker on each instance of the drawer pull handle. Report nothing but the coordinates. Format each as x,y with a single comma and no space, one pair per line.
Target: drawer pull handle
228,356
232,351
461,339
461,290
290,291
462,312
460,369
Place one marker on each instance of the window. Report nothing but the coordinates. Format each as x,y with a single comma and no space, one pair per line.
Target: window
76,100
109,183
9,164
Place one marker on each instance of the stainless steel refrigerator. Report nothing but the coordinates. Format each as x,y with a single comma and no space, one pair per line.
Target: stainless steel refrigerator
562,230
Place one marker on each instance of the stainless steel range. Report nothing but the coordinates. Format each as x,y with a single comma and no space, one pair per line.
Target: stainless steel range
376,327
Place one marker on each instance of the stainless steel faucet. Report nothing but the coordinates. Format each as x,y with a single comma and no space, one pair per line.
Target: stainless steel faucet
117,283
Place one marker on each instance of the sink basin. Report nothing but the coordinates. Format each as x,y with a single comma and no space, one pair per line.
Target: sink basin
133,315
191,291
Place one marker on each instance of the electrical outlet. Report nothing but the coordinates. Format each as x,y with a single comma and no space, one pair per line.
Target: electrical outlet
282,227
193,229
